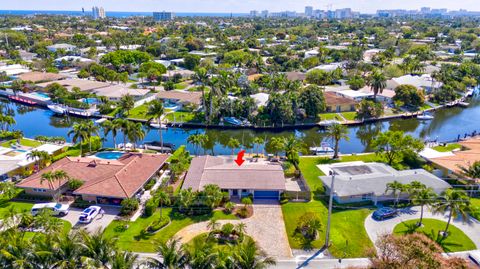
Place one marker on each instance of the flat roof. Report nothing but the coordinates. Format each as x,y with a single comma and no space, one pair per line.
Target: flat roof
358,178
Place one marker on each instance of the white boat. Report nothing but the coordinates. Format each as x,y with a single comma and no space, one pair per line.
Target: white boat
463,104
329,122
57,109
321,150
158,126
100,120
425,116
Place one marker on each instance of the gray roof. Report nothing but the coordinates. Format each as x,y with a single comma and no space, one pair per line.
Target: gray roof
357,178
225,173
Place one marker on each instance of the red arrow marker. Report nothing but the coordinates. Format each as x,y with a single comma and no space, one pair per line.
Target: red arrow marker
240,159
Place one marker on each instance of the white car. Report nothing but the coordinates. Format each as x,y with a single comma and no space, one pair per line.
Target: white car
56,208
89,214
475,256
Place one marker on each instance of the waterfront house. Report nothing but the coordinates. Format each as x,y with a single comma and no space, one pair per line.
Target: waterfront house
104,181
180,98
83,84
262,180
66,47
183,73
338,103
361,182
354,95
13,69
423,82
114,92
38,77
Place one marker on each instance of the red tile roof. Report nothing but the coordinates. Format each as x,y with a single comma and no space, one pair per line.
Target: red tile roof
120,178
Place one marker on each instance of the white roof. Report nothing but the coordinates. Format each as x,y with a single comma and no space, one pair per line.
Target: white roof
354,94
328,67
417,81
117,91
14,69
358,178
261,98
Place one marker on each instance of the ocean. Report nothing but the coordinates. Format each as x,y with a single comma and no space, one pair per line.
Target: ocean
115,14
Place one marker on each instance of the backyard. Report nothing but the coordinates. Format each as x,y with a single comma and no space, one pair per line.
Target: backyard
24,142
448,147
135,238
454,242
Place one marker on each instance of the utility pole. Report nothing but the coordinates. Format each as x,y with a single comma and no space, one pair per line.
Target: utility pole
330,202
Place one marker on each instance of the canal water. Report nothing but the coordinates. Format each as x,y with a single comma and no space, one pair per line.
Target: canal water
447,125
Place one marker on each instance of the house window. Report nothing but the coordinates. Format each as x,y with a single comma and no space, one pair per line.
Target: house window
339,108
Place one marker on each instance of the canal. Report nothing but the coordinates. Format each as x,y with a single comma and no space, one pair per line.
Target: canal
447,125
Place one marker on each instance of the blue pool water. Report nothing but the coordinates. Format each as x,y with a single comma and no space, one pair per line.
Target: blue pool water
169,105
91,101
109,155
41,94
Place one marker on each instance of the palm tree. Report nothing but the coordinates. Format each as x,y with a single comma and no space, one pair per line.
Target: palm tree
292,146
257,141
110,127
123,125
126,104
396,188
201,254
471,172
337,132
79,134
55,176
96,246
377,82
214,90
233,143
195,141
423,197
124,260
201,76
163,199
39,156
90,129
213,225
250,256
456,202
172,256
135,132
7,190
155,111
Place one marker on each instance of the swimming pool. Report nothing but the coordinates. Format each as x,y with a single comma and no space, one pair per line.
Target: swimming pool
40,95
91,101
169,105
109,155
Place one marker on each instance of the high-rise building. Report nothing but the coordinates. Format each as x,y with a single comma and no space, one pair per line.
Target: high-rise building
163,16
98,13
264,13
254,13
309,11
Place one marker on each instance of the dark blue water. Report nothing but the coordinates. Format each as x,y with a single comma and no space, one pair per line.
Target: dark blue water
447,125
115,14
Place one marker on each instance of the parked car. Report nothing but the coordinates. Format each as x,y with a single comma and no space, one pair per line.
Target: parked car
89,214
475,256
56,208
384,213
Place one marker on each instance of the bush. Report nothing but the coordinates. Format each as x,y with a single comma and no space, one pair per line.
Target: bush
242,212
150,184
227,229
150,207
129,206
74,184
158,224
229,207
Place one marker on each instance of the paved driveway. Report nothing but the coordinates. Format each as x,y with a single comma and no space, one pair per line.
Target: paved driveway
266,227
100,222
377,228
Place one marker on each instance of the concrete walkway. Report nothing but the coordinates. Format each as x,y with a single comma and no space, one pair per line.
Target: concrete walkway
266,227
147,195
377,228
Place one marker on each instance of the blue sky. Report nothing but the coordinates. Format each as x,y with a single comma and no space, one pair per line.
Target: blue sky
236,6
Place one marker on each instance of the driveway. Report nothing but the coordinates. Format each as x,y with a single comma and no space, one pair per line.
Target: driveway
377,228
100,222
266,227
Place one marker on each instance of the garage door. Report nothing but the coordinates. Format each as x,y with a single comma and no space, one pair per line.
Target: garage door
266,195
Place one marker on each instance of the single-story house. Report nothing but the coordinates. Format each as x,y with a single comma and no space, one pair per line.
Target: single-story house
180,97
203,54
385,96
104,181
311,53
65,47
354,95
27,56
82,84
262,180
450,163
338,103
261,98
184,73
425,82
13,69
114,92
296,76
329,67
37,77
359,181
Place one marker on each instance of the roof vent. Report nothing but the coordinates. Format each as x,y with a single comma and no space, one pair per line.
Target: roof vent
92,164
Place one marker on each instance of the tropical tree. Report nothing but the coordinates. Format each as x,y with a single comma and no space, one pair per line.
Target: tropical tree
249,256
423,197
155,111
275,145
90,129
377,82
40,157
195,140
396,188
201,254
108,127
124,260
337,132
233,143
456,203
99,248
172,256
58,176
135,132
201,77
79,134
471,172
163,199
212,195
126,104
7,190
395,145
292,147
123,125
257,141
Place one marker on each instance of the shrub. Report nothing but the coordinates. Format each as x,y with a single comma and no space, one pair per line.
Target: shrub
129,206
229,207
150,184
150,207
158,224
242,212
227,229
74,184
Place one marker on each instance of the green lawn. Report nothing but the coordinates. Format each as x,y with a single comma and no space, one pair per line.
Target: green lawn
348,235
181,86
134,239
347,225
139,112
330,116
425,107
448,147
24,142
349,115
475,207
455,241
180,116
18,206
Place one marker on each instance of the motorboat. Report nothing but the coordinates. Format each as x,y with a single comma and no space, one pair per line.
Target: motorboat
157,146
233,121
321,150
102,120
158,125
425,116
57,109
329,122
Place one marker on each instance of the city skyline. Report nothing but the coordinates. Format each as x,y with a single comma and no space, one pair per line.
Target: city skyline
364,6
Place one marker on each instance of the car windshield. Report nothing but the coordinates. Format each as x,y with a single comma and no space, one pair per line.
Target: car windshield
58,206
87,210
